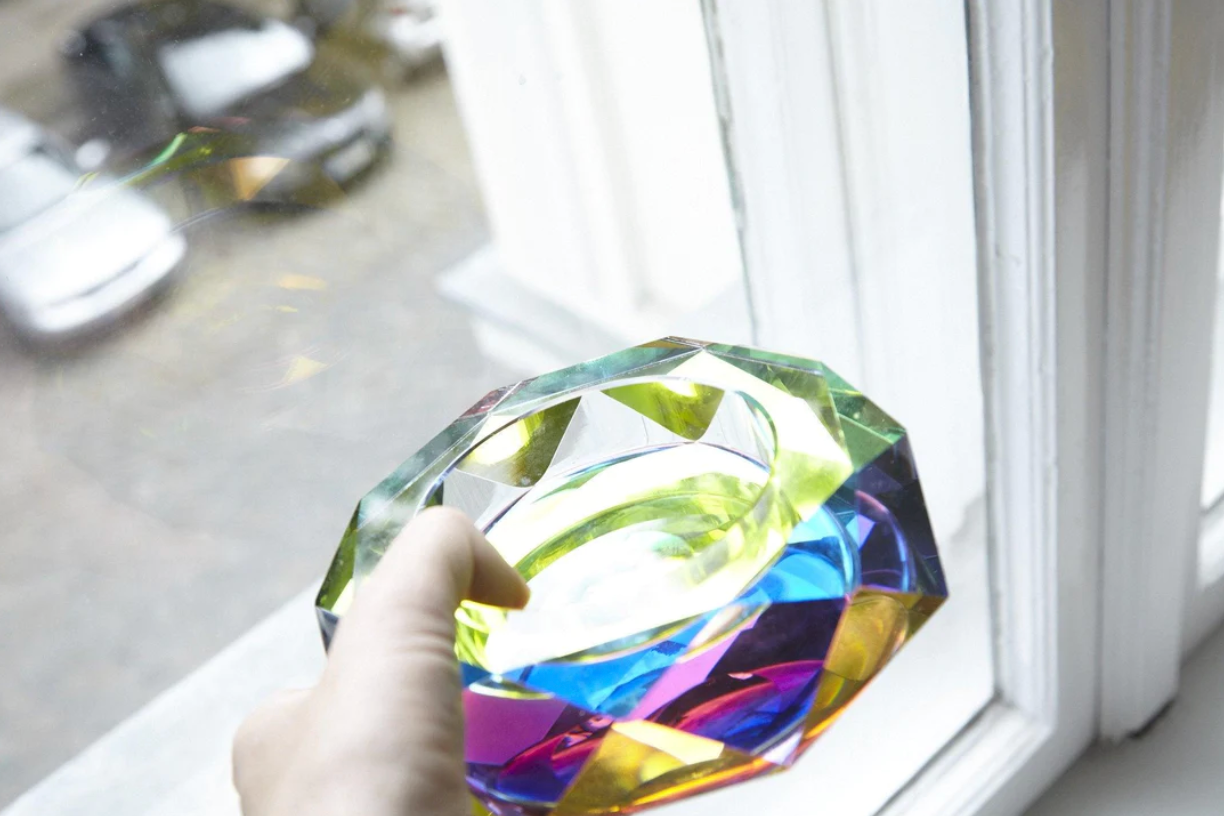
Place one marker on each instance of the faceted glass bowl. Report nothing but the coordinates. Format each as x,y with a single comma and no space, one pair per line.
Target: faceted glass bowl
723,546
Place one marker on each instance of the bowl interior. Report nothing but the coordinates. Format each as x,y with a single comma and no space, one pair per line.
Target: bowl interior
629,509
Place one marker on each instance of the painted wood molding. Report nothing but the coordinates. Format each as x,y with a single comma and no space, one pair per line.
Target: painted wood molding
1166,142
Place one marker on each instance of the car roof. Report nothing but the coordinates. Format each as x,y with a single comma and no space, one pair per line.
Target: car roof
17,135
174,19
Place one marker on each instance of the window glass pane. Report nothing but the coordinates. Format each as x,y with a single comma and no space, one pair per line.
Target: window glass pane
254,254
215,340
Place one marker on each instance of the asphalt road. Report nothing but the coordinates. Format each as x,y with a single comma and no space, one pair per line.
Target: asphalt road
167,485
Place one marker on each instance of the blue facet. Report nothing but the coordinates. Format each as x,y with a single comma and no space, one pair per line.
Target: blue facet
612,686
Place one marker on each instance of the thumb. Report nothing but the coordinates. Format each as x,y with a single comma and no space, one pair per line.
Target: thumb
437,561
392,680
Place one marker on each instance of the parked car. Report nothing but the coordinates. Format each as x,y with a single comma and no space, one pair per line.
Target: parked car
411,31
72,258
401,36
151,70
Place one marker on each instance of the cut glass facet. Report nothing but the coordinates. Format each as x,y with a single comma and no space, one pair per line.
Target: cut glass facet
723,545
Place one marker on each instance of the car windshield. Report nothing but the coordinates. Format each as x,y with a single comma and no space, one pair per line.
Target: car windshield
32,184
213,71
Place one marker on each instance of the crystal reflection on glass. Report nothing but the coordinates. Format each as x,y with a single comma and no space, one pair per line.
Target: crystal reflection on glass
73,256
723,546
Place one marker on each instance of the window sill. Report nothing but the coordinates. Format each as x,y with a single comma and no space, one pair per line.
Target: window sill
1174,767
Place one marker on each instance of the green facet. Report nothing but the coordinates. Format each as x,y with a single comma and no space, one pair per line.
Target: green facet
799,383
521,452
868,430
410,473
340,573
652,358
683,408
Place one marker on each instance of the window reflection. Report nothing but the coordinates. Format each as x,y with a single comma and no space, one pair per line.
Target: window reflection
220,229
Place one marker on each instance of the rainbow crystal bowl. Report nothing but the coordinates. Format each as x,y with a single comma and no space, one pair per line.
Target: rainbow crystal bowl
723,546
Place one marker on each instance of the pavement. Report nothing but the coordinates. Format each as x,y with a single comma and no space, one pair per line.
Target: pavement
169,484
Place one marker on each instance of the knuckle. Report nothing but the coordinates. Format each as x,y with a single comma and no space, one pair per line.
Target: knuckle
263,725
249,736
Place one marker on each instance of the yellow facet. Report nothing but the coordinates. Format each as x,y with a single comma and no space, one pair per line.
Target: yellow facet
641,763
520,453
684,408
872,628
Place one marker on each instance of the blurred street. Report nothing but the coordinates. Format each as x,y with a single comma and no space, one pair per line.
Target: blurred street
169,483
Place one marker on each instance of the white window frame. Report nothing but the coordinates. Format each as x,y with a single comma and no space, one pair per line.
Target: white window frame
1162,587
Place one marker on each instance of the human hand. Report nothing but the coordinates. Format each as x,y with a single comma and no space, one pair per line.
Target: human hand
382,732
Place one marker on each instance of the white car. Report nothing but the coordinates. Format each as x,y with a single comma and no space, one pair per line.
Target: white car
412,30
407,31
72,258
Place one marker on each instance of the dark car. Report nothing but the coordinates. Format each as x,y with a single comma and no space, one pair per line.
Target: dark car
151,70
